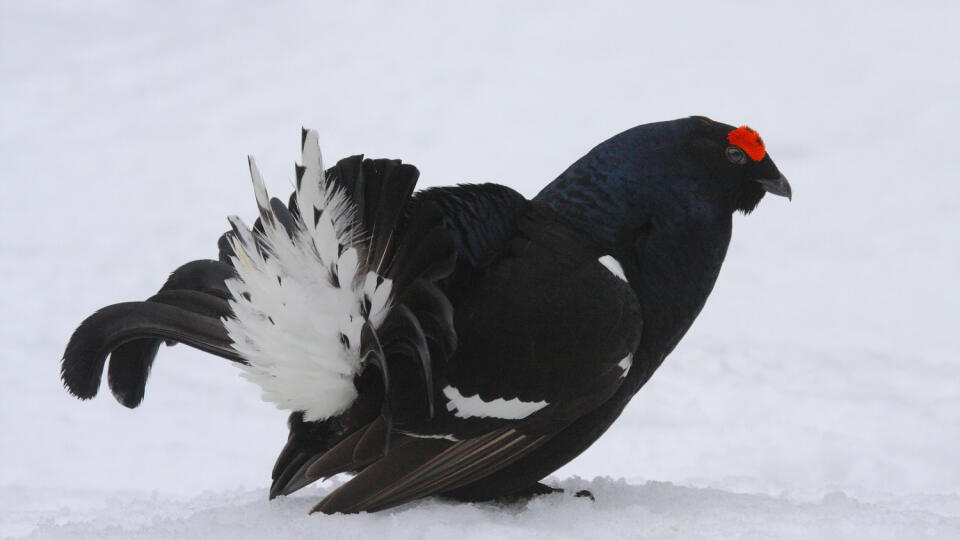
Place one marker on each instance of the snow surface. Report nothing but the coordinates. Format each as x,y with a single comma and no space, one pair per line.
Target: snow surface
818,395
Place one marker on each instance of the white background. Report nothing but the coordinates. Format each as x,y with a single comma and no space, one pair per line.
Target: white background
818,394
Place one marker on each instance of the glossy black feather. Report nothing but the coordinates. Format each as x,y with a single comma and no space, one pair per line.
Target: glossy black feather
479,217
129,370
405,345
384,206
104,331
343,456
374,443
306,442
434,312
418,467
130,363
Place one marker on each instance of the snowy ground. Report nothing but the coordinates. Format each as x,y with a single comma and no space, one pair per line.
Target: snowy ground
818,395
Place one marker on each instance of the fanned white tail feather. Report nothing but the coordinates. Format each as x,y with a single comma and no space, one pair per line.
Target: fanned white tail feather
298,296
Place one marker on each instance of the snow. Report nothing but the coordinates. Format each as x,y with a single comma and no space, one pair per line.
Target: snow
622,510
818,395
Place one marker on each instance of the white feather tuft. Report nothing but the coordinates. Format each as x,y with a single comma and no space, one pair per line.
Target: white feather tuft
296,296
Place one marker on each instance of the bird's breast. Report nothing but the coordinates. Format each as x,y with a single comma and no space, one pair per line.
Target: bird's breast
672,268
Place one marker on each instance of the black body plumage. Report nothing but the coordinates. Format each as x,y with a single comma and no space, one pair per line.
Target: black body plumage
518,330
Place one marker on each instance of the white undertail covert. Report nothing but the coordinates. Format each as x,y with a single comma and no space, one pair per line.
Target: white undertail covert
297,296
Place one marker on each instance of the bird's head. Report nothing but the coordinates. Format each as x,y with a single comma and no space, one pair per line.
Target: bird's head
695,165
736,159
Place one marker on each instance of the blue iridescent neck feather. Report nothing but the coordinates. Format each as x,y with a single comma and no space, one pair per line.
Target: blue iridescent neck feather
617,185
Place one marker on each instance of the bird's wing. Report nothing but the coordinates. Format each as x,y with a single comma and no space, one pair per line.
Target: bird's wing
417,467
554,317
544,339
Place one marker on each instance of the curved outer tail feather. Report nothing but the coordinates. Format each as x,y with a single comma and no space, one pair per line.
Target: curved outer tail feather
130,363
112,326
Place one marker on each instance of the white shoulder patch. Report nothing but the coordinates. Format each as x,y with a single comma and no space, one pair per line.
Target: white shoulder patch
473,406
613,266
625,364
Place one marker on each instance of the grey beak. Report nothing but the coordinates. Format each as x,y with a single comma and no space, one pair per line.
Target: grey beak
777,186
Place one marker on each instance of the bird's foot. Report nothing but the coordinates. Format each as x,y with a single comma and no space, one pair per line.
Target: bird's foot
585,493
541,489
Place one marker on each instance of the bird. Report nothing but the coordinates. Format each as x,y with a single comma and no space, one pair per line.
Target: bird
460,341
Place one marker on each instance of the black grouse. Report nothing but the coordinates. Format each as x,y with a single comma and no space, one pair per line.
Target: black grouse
462,341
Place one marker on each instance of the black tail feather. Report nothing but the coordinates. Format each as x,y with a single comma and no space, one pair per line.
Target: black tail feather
197,302
386,206
203,275
130,363
104,331
129,370
306,443
198,286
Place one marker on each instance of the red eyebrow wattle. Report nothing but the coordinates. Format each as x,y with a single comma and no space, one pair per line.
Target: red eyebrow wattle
748,140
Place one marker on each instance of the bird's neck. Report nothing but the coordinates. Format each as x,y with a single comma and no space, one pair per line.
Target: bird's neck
598,209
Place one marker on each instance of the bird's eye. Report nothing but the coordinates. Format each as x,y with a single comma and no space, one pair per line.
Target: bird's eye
736,155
